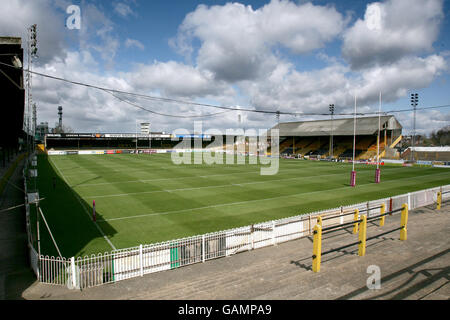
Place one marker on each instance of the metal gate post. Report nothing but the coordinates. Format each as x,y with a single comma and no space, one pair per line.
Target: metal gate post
74,276
203,248
382,211
317,248
404,222
362,236
439,200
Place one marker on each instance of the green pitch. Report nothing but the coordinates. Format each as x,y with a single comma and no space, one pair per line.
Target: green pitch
144,199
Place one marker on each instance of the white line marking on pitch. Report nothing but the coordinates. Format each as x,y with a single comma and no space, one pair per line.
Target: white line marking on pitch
208,187
163,179
248,201
86,211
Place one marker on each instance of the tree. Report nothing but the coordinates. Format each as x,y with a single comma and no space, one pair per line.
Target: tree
64,129
441,137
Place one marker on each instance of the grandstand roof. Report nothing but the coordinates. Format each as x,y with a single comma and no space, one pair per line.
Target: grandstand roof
11,40
341,127
431,149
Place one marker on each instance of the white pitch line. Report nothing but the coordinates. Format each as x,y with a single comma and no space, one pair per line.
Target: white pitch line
197,188
137,170
162,179
178,178
86,211
208,187
146,166
248,201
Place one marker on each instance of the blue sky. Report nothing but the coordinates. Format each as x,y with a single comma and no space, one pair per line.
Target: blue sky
273,55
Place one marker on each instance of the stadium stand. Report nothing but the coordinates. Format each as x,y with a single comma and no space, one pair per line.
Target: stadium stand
79,141
304,138
428,153
313,138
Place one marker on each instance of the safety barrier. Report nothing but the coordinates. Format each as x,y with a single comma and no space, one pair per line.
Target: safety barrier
360,227
440,200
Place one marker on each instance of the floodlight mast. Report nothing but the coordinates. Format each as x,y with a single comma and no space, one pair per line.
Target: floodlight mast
353,175
414,102
331,108
31,53
377,171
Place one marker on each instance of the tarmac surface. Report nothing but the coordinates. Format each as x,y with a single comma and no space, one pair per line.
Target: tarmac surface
15,273
415,269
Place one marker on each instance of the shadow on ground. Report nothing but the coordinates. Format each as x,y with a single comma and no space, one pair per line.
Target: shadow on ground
404,290
69,217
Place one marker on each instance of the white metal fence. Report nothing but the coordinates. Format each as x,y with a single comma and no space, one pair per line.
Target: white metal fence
133,262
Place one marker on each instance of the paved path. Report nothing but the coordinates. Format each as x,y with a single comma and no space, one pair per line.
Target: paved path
15,273
414,269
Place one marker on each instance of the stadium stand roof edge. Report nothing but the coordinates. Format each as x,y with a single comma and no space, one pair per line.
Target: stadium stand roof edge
341,126
430,149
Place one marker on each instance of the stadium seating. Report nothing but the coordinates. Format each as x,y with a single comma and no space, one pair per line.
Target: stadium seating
286,143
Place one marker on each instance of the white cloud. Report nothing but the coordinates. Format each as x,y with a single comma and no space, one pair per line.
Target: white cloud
398,78
426,121
312,91
134,43
97,33
285,88
17,15
391,30
175,79
237,41
237,62
123,9
86,109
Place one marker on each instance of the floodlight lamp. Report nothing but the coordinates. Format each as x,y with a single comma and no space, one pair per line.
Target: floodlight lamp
16,62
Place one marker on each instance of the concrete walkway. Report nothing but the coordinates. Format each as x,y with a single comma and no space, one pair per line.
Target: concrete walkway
15,273
414,269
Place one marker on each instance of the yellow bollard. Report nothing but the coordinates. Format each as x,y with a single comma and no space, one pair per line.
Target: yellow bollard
404,222
362,237
382,211
439,200
356,218
319,221
317,248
